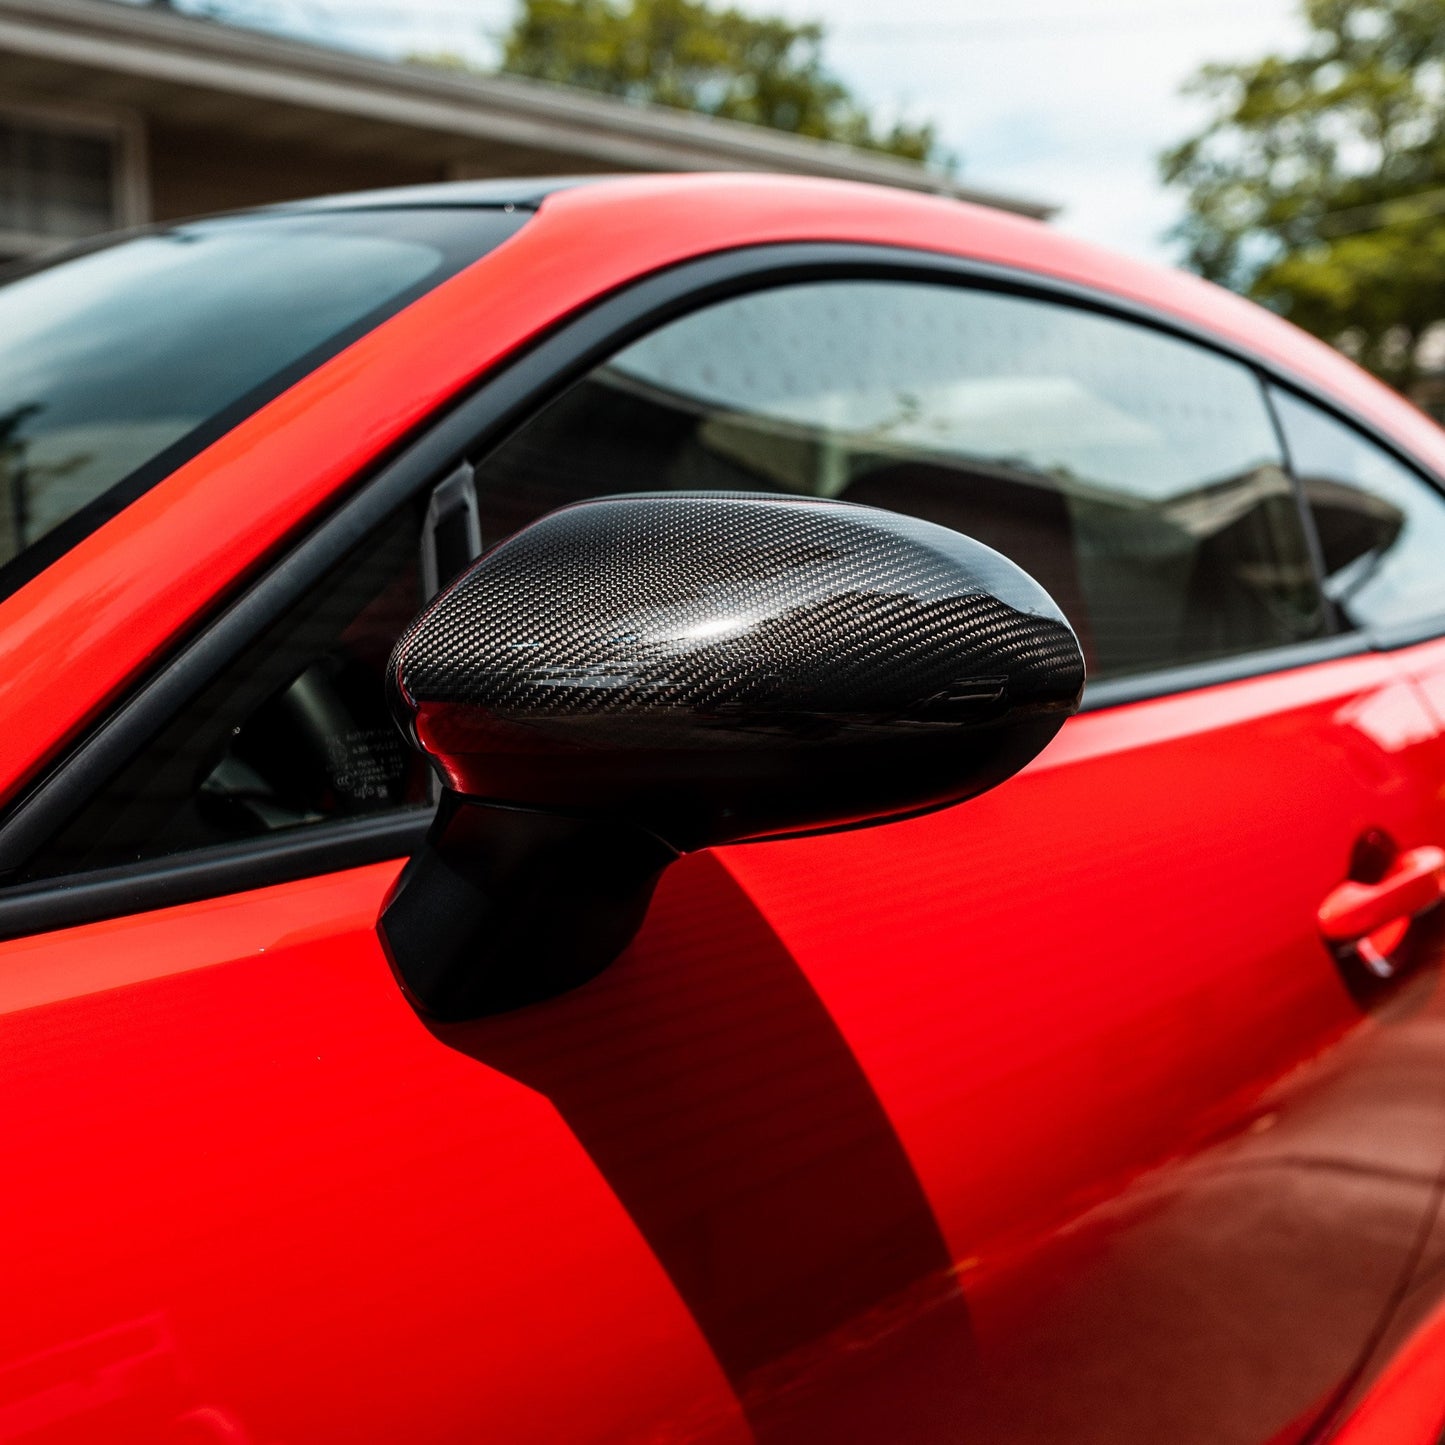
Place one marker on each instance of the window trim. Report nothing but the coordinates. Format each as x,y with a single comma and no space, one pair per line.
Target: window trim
465,431
101,893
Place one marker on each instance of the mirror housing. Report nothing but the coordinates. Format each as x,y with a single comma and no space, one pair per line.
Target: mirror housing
666,672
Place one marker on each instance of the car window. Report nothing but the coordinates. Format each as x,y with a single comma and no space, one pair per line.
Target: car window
1381,525
1135,475
119,363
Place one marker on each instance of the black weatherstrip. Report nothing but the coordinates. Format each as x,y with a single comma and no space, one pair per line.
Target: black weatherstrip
255,863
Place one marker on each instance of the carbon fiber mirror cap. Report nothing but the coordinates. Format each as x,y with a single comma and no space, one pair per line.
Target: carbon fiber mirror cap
713,668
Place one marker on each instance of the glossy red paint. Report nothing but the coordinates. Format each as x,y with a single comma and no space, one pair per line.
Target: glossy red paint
1051,1117
1406,1404
1098,1102
250,1184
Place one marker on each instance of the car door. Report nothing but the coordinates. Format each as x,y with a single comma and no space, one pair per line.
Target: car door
1048,1117
1180,1145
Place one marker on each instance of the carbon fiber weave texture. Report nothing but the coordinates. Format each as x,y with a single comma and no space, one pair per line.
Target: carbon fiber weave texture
721,606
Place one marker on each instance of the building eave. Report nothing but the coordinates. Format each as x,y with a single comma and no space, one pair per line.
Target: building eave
165,47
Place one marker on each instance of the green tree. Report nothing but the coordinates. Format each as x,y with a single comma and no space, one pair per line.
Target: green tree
1318,184
723,62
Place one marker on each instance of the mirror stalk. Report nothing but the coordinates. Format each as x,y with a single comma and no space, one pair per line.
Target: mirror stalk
507,906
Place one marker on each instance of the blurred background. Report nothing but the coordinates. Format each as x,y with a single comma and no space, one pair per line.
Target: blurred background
1291,149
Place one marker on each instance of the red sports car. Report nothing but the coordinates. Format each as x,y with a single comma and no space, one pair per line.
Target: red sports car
664,566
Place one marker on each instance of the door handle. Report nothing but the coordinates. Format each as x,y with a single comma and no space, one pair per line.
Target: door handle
1355,912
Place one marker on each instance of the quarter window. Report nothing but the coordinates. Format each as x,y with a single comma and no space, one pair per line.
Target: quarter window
1381,525
1138,477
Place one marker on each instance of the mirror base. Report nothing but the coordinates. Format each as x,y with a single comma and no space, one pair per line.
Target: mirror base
504,907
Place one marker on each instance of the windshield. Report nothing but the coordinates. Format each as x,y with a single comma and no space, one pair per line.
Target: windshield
118,364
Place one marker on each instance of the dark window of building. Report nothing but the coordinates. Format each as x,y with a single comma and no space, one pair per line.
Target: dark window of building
1381,525
55,181
1138,477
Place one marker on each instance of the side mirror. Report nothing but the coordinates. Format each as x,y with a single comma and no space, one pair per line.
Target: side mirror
633,678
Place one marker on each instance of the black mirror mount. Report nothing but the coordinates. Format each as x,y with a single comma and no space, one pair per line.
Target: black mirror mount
637,677
504,907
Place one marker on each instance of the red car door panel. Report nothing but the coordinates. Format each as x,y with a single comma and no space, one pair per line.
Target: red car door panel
224,1120
1426,665
833,1152
1156,1128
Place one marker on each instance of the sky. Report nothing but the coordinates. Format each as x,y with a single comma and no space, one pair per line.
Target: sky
1065,101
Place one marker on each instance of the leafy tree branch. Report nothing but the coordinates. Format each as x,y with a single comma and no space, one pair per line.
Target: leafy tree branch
1318,183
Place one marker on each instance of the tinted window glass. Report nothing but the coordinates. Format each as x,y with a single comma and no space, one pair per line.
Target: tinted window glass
1138,477
1381,526
119,363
